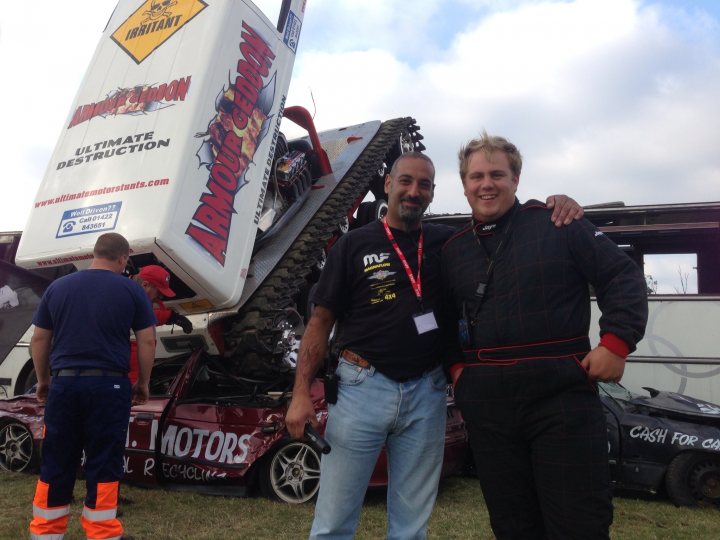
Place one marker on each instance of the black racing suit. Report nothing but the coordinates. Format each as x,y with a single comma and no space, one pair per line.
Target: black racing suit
534,419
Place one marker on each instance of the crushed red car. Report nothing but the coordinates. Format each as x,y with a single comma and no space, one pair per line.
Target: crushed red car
212,431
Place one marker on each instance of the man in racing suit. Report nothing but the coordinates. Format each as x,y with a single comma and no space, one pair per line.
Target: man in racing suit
382,284
155,281
526,383
81,339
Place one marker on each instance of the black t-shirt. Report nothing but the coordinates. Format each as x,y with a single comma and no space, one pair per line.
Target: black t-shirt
366,287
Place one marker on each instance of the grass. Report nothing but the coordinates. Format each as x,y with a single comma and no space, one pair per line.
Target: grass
459,514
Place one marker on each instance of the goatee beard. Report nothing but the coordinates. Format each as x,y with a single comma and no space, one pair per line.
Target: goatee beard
411,216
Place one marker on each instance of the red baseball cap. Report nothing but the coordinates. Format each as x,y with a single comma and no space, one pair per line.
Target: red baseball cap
158,277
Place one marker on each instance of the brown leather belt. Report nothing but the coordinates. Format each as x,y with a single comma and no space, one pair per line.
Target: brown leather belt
355,358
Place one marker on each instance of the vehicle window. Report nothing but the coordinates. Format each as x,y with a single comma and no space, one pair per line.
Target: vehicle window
164,373
674,273
615,391
215,381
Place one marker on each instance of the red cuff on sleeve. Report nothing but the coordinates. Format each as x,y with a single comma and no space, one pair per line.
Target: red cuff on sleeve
455,371
614,344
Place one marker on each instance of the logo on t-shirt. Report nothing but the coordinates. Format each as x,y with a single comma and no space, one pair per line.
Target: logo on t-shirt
375,258
380,275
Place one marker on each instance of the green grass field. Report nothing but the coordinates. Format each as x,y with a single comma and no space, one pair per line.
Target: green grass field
459,514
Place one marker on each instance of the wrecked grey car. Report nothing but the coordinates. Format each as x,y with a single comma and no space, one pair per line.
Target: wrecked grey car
664,441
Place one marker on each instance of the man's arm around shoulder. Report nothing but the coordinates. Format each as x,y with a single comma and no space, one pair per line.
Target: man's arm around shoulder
565,209
313,349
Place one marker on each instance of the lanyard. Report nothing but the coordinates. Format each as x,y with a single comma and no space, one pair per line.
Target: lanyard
493,258
482,285
415,282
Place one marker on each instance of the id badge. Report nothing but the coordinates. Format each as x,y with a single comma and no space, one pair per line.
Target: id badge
425,321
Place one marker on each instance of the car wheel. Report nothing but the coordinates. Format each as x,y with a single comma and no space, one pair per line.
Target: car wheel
17,451
370,211
693,479
291,473
379,209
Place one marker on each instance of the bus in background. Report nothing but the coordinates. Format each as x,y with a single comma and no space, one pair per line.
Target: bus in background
681,348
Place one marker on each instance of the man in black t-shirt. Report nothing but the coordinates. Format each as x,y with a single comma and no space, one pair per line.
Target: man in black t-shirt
381,284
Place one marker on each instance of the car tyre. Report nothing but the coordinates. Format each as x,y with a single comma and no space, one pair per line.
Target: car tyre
370,211
693,479
291,473
17,450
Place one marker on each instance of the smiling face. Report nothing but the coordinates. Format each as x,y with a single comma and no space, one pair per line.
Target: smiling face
489,185
410,191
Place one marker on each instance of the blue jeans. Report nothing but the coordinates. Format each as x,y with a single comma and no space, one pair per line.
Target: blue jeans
373,411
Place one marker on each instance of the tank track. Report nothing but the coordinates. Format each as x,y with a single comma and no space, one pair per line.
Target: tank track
253,336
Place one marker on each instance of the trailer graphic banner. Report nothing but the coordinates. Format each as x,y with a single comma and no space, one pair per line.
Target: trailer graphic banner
140,99
91,219
152,24
117,188
292,31
241,122
108,148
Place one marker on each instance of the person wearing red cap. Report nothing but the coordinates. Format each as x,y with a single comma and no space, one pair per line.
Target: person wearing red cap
155,277
155,280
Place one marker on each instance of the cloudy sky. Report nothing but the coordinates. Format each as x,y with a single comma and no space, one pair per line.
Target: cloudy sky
607,99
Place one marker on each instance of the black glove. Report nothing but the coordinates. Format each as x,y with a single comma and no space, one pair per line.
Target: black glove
181,320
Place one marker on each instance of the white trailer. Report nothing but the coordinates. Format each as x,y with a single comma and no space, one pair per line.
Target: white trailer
681,348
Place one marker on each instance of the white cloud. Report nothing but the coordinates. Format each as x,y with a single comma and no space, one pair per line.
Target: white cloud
607,99
43,57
